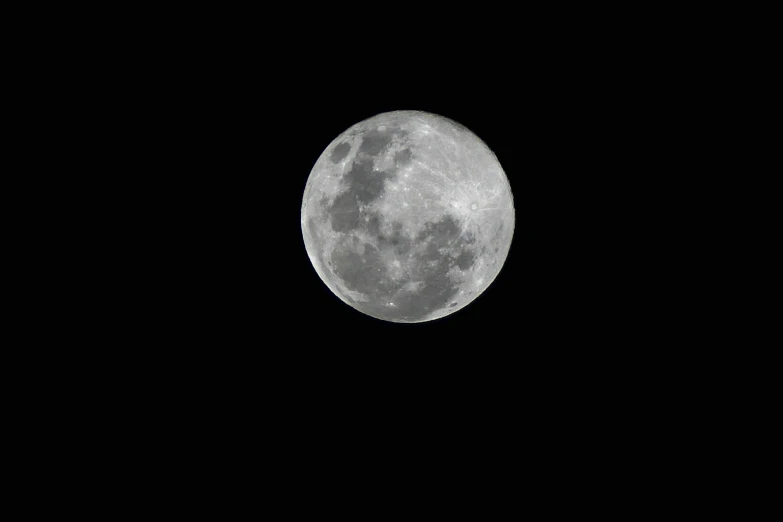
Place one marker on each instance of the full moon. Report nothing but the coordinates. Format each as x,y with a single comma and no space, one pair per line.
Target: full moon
407,216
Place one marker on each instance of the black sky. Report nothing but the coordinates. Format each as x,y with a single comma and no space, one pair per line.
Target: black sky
239,125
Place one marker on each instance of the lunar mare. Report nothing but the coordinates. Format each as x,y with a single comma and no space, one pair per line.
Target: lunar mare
407,216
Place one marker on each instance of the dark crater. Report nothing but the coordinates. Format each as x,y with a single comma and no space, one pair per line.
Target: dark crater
365,274
340,152
397,240
365,185
374,142
466,259
403,157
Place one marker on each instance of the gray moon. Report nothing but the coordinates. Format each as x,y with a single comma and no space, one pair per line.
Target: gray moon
407,216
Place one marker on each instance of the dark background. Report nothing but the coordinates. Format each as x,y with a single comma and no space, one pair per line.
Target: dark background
207,130
234,121
207,329
231,301
227,319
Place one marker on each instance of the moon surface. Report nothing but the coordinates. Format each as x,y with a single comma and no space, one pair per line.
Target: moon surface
407,216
